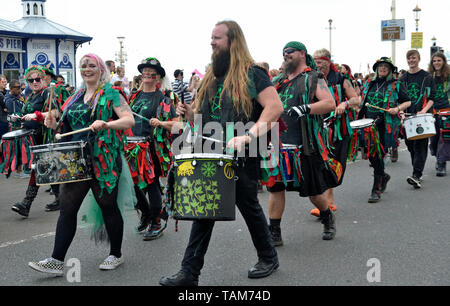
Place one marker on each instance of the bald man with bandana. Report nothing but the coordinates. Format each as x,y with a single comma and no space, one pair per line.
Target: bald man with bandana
305,97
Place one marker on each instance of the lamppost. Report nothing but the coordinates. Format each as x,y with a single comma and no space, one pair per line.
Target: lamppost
330,22
121,56
417,11
393,10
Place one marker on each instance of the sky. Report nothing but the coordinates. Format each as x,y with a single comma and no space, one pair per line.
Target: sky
178,32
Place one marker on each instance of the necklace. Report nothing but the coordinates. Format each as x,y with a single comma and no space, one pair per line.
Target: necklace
380,86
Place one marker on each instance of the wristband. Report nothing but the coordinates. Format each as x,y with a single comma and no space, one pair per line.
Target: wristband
39,116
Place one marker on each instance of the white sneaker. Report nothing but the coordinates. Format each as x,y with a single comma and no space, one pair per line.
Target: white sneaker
111,262
48,265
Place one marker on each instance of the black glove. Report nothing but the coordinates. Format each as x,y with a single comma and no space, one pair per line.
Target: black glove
299,111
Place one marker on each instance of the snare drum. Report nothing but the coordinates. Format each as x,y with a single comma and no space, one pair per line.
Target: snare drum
361,123
15,151
204,187
283,166
444,126
60,163
139,159
420,126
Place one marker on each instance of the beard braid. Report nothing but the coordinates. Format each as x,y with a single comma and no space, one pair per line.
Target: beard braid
290,67
221,63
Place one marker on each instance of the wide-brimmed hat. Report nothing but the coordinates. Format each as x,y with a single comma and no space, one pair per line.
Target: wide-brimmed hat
152,63
385,60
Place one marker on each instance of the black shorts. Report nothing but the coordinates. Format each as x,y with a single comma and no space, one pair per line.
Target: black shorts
316,178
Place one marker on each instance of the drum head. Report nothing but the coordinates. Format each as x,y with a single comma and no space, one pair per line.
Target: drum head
16,134
136,139
289,146
361,123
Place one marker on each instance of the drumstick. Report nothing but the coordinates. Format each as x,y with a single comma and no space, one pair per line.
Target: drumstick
142,117
373,106
59,136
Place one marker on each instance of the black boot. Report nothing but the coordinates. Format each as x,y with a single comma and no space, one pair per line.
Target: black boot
180,279
54,206
143,207
143,222
329,224
376,189
275,233
23,208
384,181
441,169
394,156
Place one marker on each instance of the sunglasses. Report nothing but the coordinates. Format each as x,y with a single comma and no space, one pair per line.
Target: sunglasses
289,51
37,80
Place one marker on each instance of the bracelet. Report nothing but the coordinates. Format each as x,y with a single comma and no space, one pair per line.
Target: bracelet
346,104
399,110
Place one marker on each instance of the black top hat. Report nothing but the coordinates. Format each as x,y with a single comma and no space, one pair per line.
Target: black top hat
152,63
385,60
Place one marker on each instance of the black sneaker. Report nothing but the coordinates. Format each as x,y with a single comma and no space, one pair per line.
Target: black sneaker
414,181
275,233
21,209
153,232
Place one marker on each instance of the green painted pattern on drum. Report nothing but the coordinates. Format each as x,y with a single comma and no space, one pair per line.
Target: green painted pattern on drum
208,169
199,197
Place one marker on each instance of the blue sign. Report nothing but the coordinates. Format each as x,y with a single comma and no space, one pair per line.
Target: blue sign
11,62
10,44
65,64
41,59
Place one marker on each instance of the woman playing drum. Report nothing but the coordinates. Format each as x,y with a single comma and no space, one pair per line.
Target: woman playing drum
383,98
35,110
440,144
98,106
154,105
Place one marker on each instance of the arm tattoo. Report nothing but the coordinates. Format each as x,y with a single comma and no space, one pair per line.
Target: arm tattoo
323,85
124,107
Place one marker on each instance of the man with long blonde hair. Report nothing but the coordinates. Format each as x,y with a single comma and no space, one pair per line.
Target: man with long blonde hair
233,90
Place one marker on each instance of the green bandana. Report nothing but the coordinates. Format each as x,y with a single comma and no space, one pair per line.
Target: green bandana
301,47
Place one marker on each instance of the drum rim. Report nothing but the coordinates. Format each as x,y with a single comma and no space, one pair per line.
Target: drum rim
63,145
26,133
369,122
136,138
203,156
418,116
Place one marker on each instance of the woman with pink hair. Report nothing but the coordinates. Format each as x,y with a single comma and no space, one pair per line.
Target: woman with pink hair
106,112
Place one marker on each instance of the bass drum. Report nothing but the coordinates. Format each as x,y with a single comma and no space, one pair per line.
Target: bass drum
204,187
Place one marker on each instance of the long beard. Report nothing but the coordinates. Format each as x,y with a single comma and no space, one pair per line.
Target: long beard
291,66
221,63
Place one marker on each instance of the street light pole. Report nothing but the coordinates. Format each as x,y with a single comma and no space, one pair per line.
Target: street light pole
393,10
330,21
417,11
121,55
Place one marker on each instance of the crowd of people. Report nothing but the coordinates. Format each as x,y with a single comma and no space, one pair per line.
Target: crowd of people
325,115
